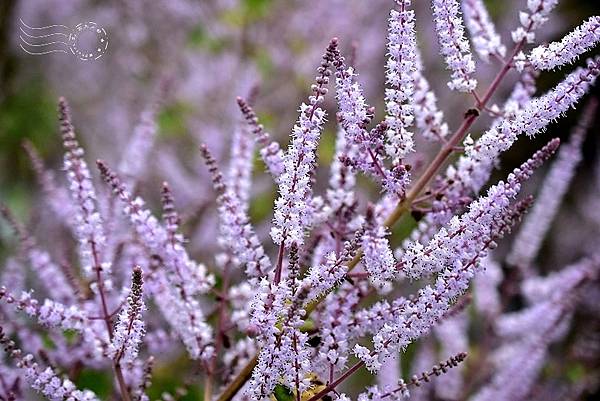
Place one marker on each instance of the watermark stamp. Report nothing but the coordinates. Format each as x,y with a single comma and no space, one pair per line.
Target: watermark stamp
87,40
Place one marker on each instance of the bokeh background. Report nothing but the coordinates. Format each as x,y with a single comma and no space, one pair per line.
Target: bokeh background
197,56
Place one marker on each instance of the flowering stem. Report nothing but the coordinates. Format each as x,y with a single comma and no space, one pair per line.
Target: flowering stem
402,207
279,267
106,317
458,136
360,364
220,333
448,148
376,163
107,320
453,361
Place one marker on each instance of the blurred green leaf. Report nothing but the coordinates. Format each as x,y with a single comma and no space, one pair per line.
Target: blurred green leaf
71,336
200,39
282,393
100,382
576,372
263,61
406,359
249,11
403,228
308,325
167,379
327,147
262,205
257,9
47,341
172,120
29,112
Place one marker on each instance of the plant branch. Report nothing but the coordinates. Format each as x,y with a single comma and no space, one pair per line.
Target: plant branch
402,207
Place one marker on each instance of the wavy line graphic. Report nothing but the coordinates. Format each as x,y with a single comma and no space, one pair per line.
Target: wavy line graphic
42,36
38,41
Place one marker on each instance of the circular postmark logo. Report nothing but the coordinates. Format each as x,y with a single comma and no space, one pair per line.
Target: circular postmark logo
88,41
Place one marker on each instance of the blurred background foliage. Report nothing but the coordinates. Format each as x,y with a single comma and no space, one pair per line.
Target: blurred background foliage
28,103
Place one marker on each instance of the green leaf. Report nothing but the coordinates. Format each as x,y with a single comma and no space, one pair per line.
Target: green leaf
172,120
71,336
262,205
200,39
256,9
575,373
282,393
100,382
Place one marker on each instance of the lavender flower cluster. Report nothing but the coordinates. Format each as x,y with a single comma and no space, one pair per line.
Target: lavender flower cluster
331,290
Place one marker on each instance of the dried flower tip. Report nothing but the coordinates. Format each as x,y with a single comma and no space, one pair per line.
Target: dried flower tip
236,232
130,327
270,151
170,215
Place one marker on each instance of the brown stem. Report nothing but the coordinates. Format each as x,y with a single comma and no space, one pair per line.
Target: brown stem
337,381
239,381
279,267
121,381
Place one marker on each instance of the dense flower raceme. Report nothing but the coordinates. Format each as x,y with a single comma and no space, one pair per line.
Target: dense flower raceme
50,313
369,155
399,92
187,277
143,137
45,381
535,16
473,170
378,257
342,178
454,45
354,114
483,33
429,119
293,209
88,222
455,254
56,196
283,310
535,328
537,113
419,260
555,54
52,277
